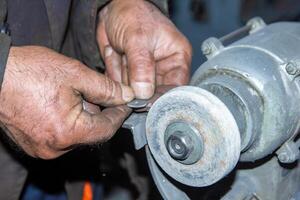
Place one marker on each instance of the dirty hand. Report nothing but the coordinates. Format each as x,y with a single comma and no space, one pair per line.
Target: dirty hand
141,47
44,107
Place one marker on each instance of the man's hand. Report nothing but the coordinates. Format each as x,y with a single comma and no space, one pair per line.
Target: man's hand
141,47
43,102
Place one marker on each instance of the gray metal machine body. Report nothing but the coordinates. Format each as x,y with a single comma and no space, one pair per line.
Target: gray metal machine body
242,106
256,78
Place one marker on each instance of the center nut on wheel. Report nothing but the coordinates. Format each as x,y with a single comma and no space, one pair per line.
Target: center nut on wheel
193,136
183,142
178,146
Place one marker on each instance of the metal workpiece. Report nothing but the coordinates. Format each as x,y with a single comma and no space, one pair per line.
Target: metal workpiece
138,103
193,112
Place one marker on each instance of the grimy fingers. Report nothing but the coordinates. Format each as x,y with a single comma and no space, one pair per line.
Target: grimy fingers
113,64
141,66
100,89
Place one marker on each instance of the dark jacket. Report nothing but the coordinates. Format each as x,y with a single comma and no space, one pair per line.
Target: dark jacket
67,26
63,25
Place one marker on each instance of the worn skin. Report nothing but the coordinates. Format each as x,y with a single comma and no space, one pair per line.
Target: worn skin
42,102
48,101
142,47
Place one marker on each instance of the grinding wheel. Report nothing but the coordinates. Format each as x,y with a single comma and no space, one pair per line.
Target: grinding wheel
204,125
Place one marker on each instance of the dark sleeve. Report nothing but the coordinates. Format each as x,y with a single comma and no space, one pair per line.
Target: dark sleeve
162,5
83,28
5,42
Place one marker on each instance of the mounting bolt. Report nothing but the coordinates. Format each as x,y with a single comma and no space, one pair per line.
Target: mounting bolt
291,68
211,47
283,157
206,49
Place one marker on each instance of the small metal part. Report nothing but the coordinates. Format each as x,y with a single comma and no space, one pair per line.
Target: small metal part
211,47
235,35
137,103
291,68
178,147
184,143
288,152
256,24
4,29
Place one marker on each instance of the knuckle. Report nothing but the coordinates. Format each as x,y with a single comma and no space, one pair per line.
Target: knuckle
47,154
141,61
75,62
182,61
59,137
185,47
108,132
47,142
138,34
109,89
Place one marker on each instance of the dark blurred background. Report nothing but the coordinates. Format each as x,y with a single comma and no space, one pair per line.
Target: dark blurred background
200,19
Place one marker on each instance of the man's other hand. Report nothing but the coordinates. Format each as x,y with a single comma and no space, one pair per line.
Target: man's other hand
141,47
48,101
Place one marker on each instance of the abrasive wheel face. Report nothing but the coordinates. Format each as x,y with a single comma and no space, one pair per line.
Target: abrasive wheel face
206,122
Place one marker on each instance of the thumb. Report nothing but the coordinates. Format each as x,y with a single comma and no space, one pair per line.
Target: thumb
97,88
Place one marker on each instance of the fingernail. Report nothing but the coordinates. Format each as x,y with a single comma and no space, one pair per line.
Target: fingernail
108,51
143,90
127,93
